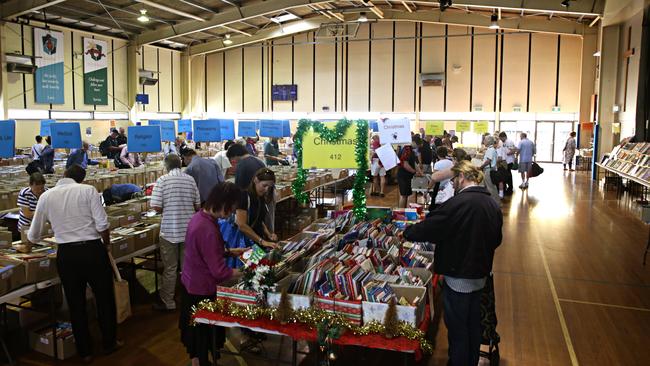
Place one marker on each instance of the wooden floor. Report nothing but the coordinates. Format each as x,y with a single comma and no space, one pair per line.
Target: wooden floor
570,287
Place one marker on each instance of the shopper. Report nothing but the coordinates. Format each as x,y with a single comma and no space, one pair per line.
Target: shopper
121,137
222,158
466,230
111,147
569,151
508,154
377,169
206,173
426,155
204,267
37,148
253,209
177,197
28,198
526,151
250,145
81,231
272,153
120,193
129,160
246,165
47,157
408,168
445,189
489,167
80,157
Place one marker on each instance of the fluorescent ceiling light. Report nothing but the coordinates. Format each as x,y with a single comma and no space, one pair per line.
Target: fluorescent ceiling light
494,22
29,114
143,18
159,115
111,115
71,115
227,41
284,18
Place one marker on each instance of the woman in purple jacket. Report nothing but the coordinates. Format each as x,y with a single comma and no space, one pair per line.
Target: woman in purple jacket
204,267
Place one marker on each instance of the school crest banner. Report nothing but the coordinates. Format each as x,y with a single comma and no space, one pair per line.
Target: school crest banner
95,72
48,79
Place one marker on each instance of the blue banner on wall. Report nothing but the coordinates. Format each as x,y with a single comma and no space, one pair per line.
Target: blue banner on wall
208,130
167,129
45,127
227,129
184,125
49,47
271,128
66,135
247,128
144,139
7,138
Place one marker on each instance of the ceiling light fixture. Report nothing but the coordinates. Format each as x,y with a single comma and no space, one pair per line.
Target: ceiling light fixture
494,21
227,41
143,18
284,18
565,3
362,18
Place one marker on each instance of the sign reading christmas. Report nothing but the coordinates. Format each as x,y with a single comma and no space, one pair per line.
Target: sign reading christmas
95,72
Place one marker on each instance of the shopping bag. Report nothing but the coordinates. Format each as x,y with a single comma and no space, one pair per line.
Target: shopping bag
536,170
233,238
122,297
515,165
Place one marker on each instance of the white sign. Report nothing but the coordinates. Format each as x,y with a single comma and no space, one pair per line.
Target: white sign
394,131
387,156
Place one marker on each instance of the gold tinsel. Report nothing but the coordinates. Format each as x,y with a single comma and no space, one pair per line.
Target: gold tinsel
312,317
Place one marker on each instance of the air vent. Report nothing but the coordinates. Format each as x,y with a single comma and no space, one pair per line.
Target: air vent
148,78
20,64
432,79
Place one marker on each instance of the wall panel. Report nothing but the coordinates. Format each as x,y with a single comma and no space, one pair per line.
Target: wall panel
358,82
282,70
253,79
150,63
177,92
15,89
483,85
381,77
120,91
515,76
324,87
458,68
405,68
303,72
433,61
215,75
543,72
233,80
570,69
197,88
165,81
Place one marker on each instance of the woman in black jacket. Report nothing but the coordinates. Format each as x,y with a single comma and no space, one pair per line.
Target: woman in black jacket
466,230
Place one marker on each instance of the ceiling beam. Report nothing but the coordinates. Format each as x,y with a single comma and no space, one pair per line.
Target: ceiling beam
589,8
15,8
169,9
228,16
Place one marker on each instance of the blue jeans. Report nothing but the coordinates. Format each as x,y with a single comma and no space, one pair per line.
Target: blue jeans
463,320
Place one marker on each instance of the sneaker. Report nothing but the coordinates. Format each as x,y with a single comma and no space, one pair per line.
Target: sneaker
501,194
526,185
374,194
522,185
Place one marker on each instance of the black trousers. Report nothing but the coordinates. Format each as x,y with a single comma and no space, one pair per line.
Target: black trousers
462,314
78,266
199,339
509,187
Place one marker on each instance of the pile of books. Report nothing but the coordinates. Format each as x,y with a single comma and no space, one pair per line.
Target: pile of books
414,258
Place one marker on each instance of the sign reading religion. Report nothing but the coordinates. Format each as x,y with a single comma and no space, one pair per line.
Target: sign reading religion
95,72
48,79
319,153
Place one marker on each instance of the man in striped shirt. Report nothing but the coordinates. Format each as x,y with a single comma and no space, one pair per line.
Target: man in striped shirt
177,197
28,198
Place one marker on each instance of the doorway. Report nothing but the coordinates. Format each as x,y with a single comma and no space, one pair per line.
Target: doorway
550,139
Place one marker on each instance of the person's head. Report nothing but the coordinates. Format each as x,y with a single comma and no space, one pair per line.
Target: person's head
263,183
572,134
503,136
523,135
465,175
489,140
459,155
442,152
85,146
48,139
37,183
39,139
172,161
188,156
375,138
108,197
417,141
223,199
454,139
114,133
75,172
236,152
228,144
179,139
428,139
122,131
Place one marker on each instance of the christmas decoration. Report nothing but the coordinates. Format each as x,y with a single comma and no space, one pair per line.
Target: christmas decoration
260,278
391,322
326,333
284,311
334,135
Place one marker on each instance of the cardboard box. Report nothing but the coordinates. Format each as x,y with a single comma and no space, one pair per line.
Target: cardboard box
6,238
373,311
298,302
40,269
236,296
351,310
42,341
146,236
122,247
12,275
129,218
114,221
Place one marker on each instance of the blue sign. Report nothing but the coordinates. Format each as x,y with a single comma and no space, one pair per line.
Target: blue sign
7,138
374,126
184,125
66,135
208,130
286,128
227,129
167,129
271,128
247,128
142,98
144,139
45,127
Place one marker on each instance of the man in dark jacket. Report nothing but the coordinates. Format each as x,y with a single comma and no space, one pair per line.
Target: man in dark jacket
466,230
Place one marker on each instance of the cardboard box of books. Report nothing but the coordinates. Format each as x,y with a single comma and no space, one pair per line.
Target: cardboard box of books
297,301
230,291
114,221
6,238
350,309
411,305
12,275
40,268
42,341
121,246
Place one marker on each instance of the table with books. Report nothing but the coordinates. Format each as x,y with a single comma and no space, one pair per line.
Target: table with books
356,281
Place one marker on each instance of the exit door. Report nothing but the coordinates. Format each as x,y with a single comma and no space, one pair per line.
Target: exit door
550,140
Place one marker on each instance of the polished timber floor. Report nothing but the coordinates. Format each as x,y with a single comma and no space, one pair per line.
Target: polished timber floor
570,287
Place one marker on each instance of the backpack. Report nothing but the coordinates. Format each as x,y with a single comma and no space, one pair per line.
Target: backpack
103,147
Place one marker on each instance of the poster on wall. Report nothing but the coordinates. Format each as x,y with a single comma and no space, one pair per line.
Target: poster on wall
394,131
319,153
48,79
7,138
95,72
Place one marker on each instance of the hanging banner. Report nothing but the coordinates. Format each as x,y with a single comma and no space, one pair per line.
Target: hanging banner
144,139
95,72
434,128
271,128
394,131
286,128
48,79
481,127
45,127
167,129
7,138
227,129
66,135
207,130
463,126
318,153
184,125
247,128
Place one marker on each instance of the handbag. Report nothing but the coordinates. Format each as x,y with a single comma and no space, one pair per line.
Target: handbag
233,238
122,297
536,170
515,165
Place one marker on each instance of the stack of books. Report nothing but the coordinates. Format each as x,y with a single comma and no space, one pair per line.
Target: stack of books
412,258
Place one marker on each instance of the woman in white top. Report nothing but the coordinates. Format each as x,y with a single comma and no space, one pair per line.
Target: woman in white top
490,165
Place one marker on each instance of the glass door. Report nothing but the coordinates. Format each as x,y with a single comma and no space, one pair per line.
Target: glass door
544,141
562,131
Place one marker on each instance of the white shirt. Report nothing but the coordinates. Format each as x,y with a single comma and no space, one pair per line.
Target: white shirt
176,193
223,162
491,153
74,210
505,148
443,164
37,150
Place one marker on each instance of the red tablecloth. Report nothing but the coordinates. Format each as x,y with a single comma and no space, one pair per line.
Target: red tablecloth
299,331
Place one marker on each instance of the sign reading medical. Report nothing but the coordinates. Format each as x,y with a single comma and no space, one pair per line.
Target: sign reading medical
95,72
463,126
394,131
319,153
184,125
208,130
434,128
45,126
227,129
7,138
247,128
66,135
167,129
481,127
48,79
271,128
144,139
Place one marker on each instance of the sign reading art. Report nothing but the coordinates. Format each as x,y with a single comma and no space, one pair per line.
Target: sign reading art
95,72
66,135
144,139
434,128
319,153
48,79
7,138
481,127
227,129
463,126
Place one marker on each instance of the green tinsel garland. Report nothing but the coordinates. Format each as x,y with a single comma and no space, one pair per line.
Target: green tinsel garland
335,135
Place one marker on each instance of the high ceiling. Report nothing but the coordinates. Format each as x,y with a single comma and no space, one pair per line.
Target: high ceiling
202,25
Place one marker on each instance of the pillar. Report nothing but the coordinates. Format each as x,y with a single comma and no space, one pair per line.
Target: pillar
609,60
